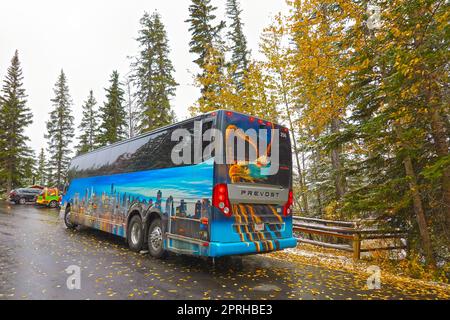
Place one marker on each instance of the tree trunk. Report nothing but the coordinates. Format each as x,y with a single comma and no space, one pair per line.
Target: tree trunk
300,173
9,174
316,178
418,211
8,183
339,177
441,145
303,196
286,103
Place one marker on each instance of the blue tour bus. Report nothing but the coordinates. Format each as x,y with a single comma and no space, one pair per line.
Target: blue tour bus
210,208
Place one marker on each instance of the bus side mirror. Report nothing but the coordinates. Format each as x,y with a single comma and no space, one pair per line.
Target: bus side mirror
66,186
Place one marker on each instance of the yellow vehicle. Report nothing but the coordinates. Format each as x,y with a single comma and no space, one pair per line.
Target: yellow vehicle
49,197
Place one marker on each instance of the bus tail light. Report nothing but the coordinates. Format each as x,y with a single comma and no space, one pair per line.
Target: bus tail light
220,199
289,206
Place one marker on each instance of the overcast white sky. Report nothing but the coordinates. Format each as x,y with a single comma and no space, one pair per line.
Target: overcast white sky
91,38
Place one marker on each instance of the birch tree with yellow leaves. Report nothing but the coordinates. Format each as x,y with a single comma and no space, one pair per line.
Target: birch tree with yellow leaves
278,65
321,69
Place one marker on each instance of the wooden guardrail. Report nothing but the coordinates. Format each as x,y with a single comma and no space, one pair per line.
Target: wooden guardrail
354,231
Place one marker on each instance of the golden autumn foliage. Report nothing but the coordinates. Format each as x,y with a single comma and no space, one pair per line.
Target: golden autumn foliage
367,109
321,59
222,92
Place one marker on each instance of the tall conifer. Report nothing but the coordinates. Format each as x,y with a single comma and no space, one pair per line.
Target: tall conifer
153,74
239,51
15,117
205,33
88,126
60,132
113,115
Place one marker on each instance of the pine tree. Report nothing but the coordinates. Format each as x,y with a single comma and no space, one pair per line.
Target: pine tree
15,117
205,34
60,132
240,53
153,74
41,169
29,169
112,114
88,126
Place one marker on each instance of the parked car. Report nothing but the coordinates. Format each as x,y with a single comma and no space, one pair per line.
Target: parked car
49,197
24,195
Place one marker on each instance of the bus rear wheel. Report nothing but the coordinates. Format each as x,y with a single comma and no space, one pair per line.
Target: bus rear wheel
135,234
155,239
53,204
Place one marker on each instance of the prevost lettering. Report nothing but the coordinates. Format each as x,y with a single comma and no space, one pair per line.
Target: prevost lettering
261,194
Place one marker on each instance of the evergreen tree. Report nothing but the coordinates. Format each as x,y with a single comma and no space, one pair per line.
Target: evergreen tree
41,169
240,53
15,117
112,114
205,34
60,132
153,74
29,169
88,126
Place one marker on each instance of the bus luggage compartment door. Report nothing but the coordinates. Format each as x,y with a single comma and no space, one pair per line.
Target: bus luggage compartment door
188,226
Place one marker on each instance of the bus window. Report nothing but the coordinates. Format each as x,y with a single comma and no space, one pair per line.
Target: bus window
206,125
254,168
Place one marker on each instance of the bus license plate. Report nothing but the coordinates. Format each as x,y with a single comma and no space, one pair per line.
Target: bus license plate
259,226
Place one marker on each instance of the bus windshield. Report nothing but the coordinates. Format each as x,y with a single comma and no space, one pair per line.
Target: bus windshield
253,165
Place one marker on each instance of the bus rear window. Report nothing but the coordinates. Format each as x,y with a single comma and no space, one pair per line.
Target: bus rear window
253,165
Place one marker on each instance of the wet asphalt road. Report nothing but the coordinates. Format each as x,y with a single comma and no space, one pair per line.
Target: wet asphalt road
36,248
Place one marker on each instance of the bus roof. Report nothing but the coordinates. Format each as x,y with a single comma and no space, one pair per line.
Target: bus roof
154,131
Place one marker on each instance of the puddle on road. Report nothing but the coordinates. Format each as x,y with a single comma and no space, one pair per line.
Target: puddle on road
267,287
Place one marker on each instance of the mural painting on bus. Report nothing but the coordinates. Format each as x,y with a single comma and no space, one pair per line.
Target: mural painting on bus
102,202
248,216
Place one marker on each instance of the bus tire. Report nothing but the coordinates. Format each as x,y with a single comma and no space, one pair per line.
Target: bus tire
53,204
69,225
22,201
155,239
135,234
